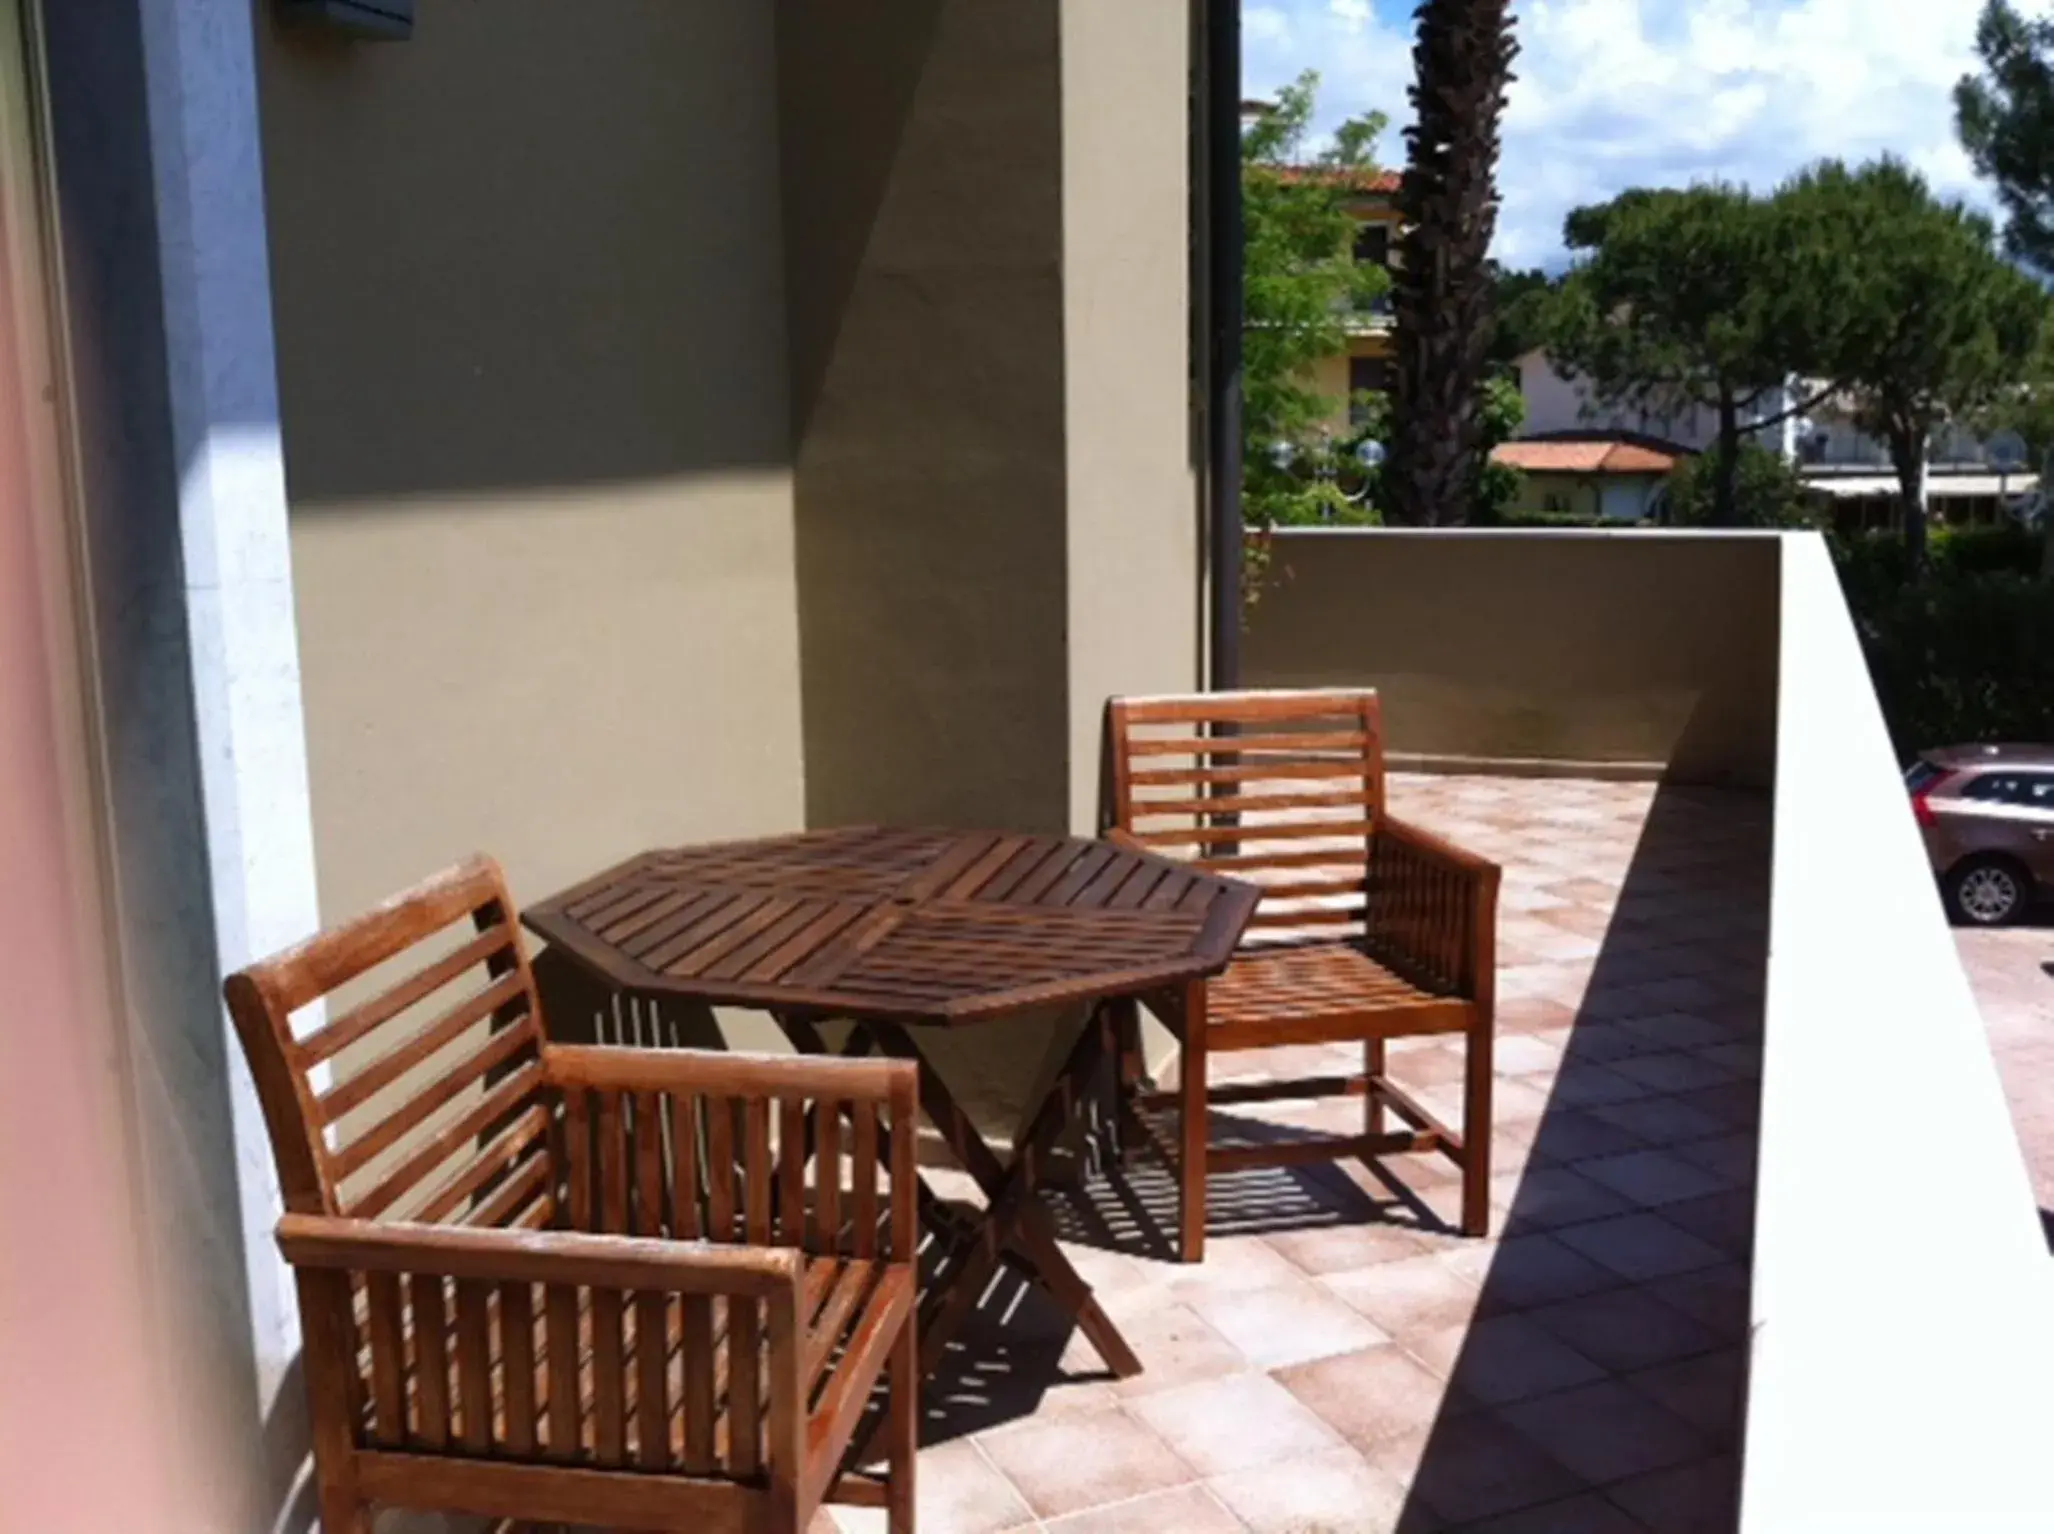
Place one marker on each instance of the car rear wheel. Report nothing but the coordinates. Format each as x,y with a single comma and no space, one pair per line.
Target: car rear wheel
1988,892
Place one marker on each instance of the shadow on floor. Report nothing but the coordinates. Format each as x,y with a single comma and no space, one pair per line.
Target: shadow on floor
1602,1383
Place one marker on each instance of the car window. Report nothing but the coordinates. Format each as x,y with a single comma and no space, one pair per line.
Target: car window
2030,790
1918,775
1993,788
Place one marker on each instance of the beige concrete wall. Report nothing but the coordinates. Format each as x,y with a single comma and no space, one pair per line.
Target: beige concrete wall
987,257
1569,647
1133,526
923,168
530,321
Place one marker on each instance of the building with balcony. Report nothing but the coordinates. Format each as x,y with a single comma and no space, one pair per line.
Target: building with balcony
564,430
1371,198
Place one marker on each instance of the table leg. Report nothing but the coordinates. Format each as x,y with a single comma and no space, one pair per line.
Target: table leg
1014,1216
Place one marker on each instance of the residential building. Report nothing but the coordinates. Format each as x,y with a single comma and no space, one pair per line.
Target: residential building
1370,197
1592,476
569,430
1847,471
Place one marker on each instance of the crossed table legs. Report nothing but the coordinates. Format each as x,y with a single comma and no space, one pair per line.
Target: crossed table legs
1014,1227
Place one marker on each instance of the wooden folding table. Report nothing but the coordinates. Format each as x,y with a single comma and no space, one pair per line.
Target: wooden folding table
899,930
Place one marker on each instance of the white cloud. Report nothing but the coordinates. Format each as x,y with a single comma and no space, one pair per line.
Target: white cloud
1619,93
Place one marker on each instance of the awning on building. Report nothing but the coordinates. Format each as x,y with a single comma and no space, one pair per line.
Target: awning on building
1939,487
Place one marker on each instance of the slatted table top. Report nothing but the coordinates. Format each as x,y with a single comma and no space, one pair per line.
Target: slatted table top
890,923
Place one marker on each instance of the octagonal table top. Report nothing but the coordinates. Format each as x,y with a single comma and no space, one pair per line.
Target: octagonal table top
911,925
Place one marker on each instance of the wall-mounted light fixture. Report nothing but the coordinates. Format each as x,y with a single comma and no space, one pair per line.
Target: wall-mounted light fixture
388,19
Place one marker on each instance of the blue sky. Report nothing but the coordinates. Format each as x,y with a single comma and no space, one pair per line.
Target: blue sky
1620,93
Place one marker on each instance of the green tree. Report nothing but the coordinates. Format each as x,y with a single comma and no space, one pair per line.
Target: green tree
2005,116
1936,325
1767,491
2027,408
1301,281
1462,54
1520,300
1703,298
1499,416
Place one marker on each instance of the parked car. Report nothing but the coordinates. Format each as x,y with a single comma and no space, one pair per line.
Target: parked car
1987,814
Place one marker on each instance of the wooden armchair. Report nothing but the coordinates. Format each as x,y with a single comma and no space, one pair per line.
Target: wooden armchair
574,1284
1369,929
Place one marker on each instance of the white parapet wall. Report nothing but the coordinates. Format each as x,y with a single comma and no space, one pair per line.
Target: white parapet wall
1902,1360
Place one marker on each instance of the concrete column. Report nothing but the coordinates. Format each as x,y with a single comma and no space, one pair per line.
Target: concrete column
154,135
244,653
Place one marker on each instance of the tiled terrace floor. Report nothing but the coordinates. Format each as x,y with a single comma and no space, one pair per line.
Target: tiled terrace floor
2012,972
1340,1363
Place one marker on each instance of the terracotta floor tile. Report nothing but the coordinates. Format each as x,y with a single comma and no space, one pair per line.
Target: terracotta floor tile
1525,1054
1233,1262
1332,1493
1640,1246
1473,1466
1737,1105
1569,1135
958,1491
1698,1498
1283,1324
1235,1423
1590,1513
1742,1057
1726,1220
1406,1299
1545,1197
1663,1120
1334,1249
1536,1269
1503,1358
1705,1391
1716,1298
1626,1328
1084,1462
1533,1014
1176,1346
1378,1393
1598,1042
1185,1510
1587,1084
1605,1432
1651,1177
1731,1156
1674,1070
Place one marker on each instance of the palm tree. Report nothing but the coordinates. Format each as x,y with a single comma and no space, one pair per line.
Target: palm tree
1442,291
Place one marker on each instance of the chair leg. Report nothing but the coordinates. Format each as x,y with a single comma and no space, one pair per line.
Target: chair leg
1476,1130
1191,1153
342,1513
903,1402
1373,1068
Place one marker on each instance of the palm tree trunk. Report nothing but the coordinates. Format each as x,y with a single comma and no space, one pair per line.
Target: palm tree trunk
1442,291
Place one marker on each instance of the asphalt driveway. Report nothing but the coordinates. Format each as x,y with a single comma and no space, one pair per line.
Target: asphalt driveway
2012,972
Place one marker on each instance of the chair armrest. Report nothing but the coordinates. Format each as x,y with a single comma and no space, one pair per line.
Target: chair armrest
1123,839
643,1264
614,1068
1432,909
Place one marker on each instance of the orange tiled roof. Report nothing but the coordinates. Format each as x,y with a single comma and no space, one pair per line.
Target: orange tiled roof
1380,182
1599,456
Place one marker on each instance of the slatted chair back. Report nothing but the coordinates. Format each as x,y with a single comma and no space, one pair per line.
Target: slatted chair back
1279,788
715,1148
432,1041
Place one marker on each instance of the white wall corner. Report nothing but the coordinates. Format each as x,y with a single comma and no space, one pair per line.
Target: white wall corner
200,67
